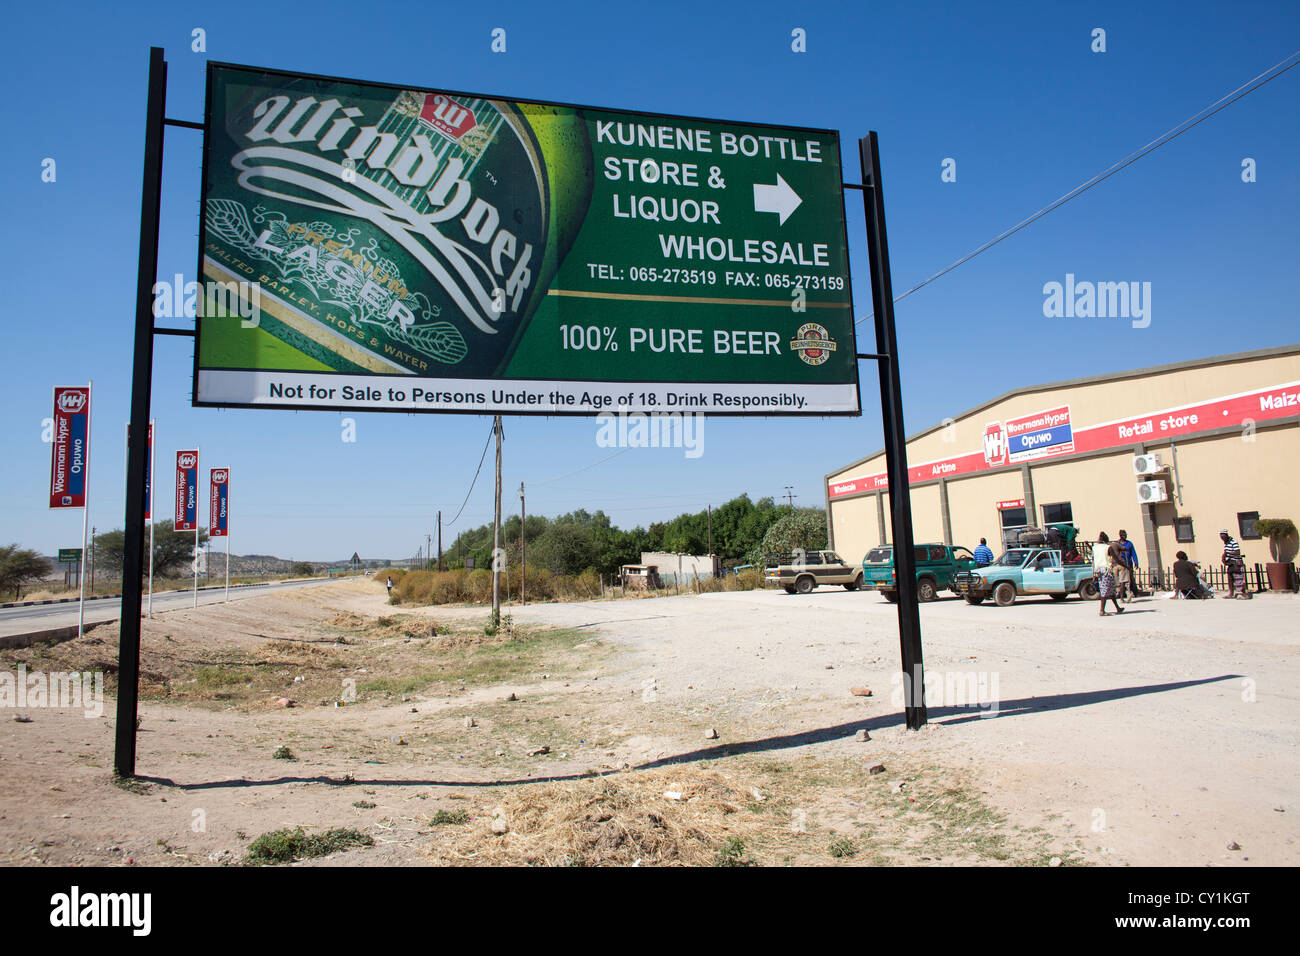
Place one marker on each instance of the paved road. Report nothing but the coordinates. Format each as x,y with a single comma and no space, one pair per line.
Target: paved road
39,617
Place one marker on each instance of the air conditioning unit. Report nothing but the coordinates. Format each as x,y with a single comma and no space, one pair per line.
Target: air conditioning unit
1147,464
1151,492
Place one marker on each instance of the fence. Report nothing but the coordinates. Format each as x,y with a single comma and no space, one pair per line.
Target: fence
1162,579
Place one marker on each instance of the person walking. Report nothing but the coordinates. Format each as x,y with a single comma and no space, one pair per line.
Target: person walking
1128,565
1236,566
983,554
390,587
1106,586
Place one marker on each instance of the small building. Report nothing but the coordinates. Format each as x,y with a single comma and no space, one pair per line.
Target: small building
639,577
683,568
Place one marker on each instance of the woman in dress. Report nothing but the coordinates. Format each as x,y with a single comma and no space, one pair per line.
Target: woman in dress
1107,589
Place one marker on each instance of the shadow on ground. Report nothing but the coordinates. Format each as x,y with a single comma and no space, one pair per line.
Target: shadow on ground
948,716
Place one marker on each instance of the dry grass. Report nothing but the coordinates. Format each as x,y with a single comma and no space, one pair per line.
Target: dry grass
206,659
618,820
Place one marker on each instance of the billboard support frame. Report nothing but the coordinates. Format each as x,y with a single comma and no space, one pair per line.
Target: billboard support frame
138,445
891,412
128,697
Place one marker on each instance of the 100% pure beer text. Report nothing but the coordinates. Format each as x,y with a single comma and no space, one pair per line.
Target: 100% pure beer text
594,338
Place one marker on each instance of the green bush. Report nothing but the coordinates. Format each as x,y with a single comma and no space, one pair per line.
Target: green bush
285,846
475,587
1275,527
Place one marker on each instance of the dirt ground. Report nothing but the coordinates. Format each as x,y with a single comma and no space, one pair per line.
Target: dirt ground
701,730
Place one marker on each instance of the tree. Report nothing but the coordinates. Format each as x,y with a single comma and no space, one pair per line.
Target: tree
805,528
20,565
302,569
172,550
565,547
108,551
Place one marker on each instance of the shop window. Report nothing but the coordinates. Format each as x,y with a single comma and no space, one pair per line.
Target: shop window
1059,513
1014,518
1246,524
1183,531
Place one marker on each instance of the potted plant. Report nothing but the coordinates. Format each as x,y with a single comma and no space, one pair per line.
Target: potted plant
1282,542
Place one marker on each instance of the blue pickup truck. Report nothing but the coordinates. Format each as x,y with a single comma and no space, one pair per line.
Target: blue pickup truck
1023,572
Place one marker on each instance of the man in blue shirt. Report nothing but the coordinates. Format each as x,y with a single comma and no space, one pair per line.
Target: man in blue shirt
1130,556
983,555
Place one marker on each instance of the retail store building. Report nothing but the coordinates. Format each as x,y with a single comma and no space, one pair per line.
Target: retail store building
1171,454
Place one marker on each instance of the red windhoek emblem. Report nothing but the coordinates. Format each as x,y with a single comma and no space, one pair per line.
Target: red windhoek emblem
447,116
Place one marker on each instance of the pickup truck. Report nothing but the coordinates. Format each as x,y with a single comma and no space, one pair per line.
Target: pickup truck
803,572
936,567
1026,571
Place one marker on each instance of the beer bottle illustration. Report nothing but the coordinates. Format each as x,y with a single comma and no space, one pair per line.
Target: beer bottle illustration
389,231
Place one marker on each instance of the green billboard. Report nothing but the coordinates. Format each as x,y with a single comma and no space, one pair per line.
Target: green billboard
375,247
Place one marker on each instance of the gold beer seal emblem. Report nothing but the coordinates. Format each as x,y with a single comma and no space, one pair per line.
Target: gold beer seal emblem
813,343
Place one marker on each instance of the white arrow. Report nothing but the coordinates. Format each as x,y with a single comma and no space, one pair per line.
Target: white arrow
779,198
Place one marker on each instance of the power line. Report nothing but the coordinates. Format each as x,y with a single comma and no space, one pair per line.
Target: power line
476,474
1220,104
582,469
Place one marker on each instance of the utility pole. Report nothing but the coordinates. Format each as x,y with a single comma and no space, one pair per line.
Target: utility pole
523,562
496,532
789,496
709,512
92,559
428,543
439,540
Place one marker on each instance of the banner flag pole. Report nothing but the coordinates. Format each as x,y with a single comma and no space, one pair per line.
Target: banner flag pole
85,515
149,516
196,525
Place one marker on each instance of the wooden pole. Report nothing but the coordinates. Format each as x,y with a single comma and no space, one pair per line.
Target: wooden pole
496,532
523,545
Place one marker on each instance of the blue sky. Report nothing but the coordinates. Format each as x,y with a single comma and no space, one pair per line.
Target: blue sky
1012,92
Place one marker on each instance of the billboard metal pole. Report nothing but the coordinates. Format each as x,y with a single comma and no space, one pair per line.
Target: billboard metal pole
128,654
891,407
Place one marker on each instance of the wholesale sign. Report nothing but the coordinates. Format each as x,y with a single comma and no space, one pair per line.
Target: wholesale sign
70,447
187,490
219,503
375,247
